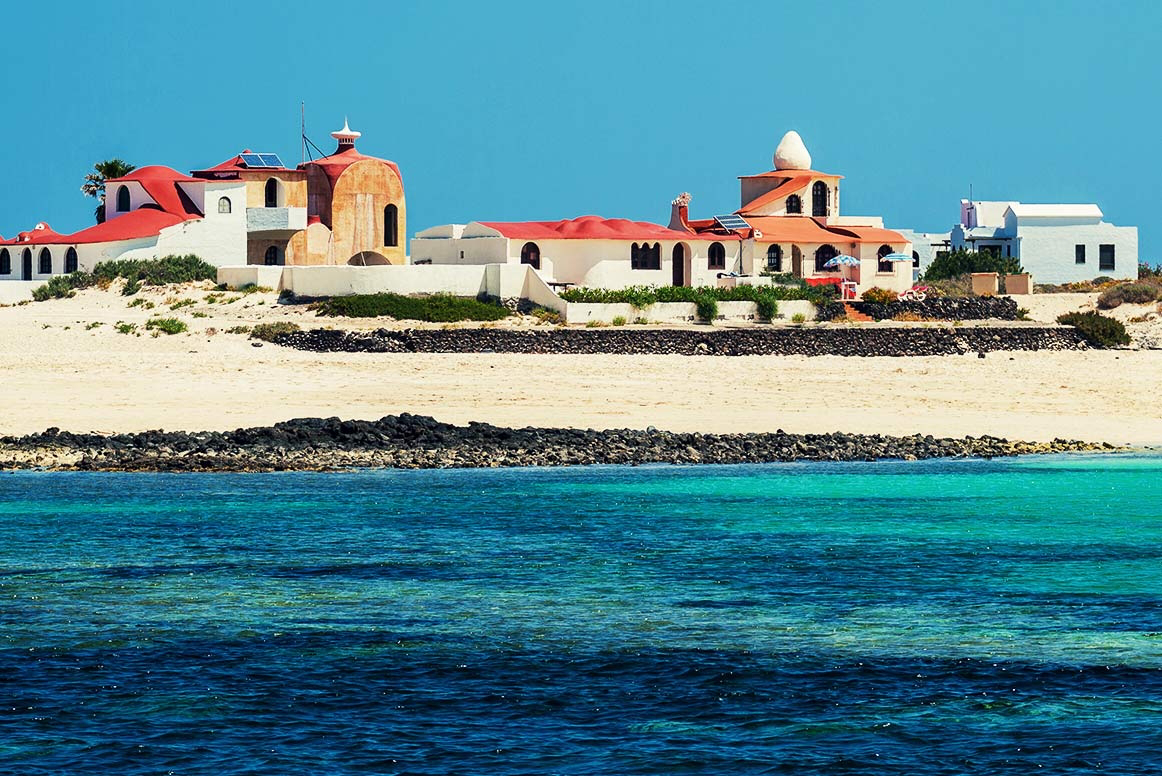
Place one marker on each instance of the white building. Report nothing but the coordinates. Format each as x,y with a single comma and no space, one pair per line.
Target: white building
1055,243
788,222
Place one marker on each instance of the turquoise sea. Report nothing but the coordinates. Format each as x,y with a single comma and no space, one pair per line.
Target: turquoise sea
941,617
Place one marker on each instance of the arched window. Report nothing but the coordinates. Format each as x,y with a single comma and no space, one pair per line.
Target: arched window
391,226
5,262
794,205
45,261
645,257
224,205
775,259
819,195
530,254
272,192
635,257
883,266
273,256
71,260
825,254
915,259
716,256
122,199
26,264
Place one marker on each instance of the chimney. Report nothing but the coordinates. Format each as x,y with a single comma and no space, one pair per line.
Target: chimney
680,213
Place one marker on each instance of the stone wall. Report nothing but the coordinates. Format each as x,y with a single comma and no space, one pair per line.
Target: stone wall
895,341
970,308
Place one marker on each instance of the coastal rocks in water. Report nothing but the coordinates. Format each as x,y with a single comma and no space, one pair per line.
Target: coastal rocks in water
418,442
894,341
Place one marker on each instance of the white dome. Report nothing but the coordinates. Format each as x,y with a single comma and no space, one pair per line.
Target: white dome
791,154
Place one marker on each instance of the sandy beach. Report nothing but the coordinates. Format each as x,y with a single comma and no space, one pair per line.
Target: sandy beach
65,365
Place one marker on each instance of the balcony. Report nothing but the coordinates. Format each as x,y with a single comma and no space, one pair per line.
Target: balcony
276,219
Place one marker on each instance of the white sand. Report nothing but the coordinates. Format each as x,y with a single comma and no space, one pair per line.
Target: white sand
97,379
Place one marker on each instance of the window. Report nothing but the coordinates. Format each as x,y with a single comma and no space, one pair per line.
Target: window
915,259
45,261
825,254
71,260
645,257
530,254
819,196
122,199
224,205
884,266
5,262
391,226
272,192
272,257
775,259
1079,254
26,264
991,250
1105,258
794,205
717,256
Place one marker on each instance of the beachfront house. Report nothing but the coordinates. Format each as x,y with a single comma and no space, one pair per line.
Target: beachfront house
789,222
343,209
1056,243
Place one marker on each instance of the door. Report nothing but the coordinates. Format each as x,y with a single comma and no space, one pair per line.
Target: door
796,261
26,265
678,257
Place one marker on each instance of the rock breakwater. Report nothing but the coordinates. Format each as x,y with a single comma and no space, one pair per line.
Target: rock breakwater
813,341
418,442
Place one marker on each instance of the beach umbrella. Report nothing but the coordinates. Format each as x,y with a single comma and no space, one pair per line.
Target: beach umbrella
843,260
896,257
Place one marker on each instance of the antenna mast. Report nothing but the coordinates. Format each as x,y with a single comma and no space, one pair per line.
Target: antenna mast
302,132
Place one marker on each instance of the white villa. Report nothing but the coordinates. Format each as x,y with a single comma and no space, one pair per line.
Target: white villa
1055,243
788,222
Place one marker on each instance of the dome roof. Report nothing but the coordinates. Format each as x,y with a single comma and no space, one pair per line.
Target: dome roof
791,154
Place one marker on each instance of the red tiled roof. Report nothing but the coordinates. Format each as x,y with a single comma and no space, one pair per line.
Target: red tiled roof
334,165
161,184
800,229
784,189
792,174
234,165
136,224
41,234
593,228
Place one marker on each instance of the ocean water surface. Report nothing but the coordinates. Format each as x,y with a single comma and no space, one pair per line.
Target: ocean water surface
937,617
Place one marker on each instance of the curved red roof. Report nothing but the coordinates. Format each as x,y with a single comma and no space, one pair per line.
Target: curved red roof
592,228
334,165
160,183
136,224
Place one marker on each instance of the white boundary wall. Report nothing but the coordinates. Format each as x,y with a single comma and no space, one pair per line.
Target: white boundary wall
681,312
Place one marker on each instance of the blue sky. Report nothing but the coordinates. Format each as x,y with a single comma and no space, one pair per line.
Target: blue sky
524,110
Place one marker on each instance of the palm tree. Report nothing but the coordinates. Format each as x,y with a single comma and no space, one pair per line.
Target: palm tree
94,185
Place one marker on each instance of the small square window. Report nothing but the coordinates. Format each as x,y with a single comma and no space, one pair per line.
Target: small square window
1105,258
1079,254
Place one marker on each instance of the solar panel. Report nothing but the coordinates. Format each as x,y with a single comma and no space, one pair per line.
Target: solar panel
732,222
271,160
252,160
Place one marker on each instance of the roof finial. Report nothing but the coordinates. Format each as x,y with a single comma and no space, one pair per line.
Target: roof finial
346,136
791,153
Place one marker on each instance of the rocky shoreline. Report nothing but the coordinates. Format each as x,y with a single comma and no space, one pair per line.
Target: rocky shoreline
418,442
780,341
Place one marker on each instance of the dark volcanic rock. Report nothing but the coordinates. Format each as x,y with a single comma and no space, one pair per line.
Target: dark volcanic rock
887,341
414,441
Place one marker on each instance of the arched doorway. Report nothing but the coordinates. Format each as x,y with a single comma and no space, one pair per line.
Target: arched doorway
391,226
796,261
273,256
71,260
825,254
680,257
530,254
775,258
26,264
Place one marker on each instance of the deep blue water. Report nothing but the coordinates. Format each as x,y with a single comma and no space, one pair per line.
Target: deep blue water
921,618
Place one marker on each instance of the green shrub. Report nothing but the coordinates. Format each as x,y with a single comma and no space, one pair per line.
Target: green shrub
618,320
545,315
594,324
1128,293
644,296
179,304
798,318
166,325
879,296
768,308
1146,272
1099,330
268,331
156,272
238,330
132,286
125,328
707,308
63,286
438,308
962,262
